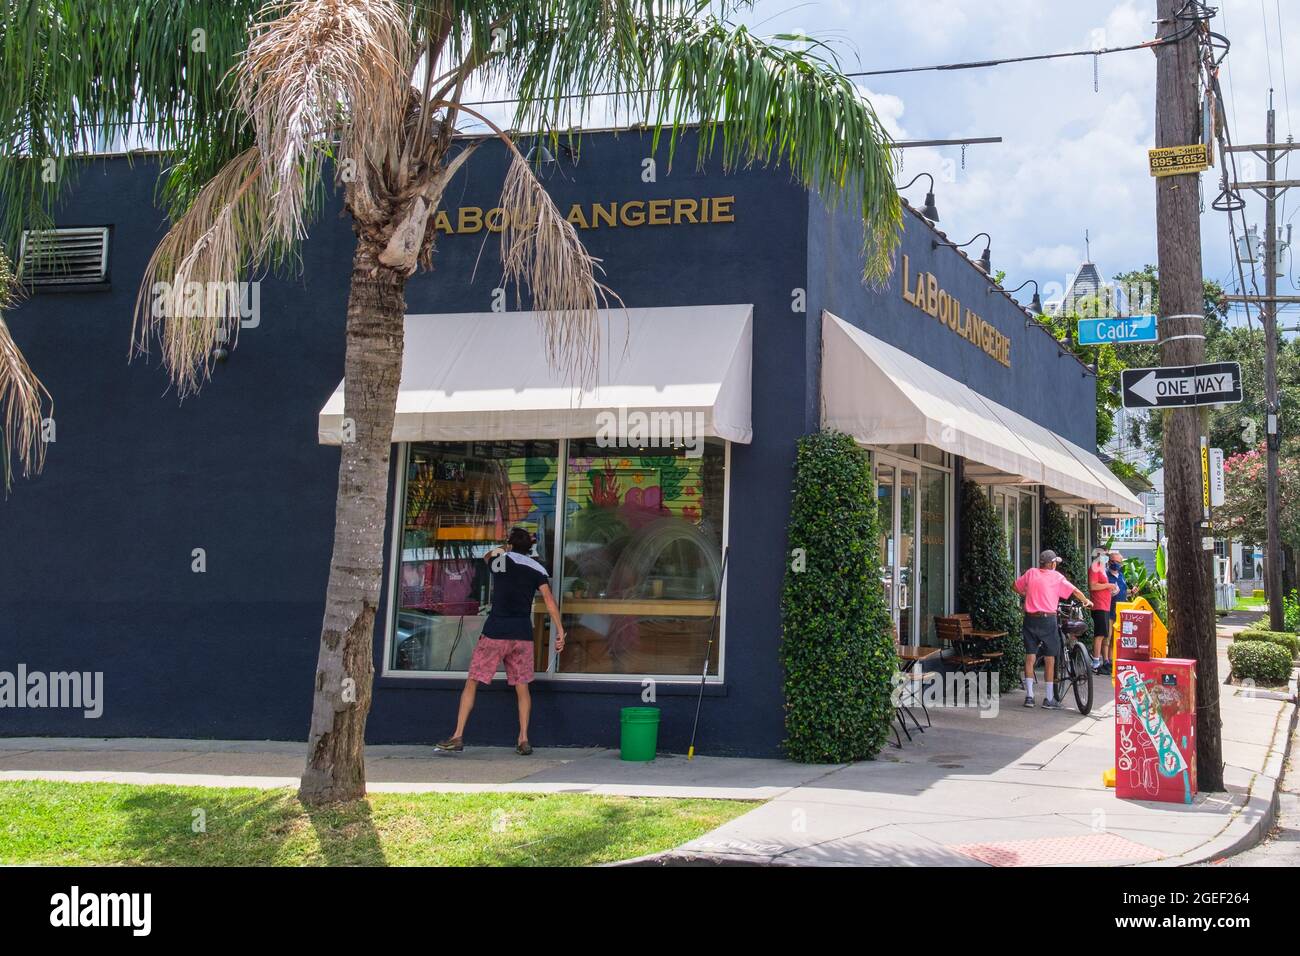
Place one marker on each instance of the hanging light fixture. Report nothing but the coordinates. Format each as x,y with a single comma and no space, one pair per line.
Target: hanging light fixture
540,155
1036,304
985,263
929,210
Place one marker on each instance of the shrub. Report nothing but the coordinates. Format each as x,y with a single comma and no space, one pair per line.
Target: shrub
1259,661
837,646
985,580
1257,593
1291,611
1290,641
1058,534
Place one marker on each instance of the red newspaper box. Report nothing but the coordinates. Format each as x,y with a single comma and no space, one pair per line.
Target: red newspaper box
1155,730
1135,629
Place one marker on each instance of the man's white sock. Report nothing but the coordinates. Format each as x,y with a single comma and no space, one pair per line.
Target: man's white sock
1029,686
1047,692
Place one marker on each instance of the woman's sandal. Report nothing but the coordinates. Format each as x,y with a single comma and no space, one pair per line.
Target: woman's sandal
523,749
452,745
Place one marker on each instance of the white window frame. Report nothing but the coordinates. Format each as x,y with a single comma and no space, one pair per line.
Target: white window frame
883,456
1013,494
562,490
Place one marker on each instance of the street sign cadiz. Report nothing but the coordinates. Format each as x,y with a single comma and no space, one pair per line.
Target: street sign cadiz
1216,384
1118,331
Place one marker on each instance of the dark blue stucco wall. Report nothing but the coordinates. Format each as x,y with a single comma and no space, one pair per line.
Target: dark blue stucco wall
95,553
95,571
758,259
1043,383
95,566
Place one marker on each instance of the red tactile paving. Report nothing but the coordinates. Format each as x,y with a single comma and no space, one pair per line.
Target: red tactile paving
1057,851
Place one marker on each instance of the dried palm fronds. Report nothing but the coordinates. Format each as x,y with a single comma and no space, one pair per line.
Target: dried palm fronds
325,66
540,249
189,297
22,396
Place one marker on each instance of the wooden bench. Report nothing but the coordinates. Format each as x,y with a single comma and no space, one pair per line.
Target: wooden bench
972,649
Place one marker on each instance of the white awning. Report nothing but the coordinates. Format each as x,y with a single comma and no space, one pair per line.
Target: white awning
483,376
880,395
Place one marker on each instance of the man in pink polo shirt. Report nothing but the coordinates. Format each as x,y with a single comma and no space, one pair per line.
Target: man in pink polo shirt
1043,588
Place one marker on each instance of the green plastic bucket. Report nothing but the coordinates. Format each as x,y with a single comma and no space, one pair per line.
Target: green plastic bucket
640,726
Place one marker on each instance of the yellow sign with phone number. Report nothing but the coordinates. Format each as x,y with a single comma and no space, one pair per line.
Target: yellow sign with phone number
1178,160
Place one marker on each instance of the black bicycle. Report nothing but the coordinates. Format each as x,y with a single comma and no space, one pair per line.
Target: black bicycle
1073,667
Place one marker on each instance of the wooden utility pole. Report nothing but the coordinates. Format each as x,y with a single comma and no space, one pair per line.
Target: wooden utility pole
1182,338
1268,303
1273,546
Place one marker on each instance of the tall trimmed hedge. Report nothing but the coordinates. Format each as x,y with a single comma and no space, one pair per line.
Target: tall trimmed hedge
985,579
837,645
1057,533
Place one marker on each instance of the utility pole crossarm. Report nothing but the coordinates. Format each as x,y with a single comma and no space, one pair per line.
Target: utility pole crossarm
1262,147
1260,185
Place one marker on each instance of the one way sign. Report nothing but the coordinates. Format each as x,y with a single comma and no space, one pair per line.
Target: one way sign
1215,384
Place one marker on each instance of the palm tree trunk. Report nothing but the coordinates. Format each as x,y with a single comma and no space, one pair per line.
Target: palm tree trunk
345,667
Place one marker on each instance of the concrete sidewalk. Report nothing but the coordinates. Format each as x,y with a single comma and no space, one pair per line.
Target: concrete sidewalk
1021,788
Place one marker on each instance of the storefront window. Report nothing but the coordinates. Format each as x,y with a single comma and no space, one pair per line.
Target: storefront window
642,559
907,516
885,515
931,455
1027,557
1008,519
459,501
933,596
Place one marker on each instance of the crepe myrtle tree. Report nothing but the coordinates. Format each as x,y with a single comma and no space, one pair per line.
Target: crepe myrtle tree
260,106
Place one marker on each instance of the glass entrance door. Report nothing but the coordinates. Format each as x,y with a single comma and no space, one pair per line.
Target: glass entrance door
906,533
897,488
885,500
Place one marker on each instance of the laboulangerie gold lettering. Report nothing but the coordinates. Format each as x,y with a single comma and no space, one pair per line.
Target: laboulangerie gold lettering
925,293
577,218
632,213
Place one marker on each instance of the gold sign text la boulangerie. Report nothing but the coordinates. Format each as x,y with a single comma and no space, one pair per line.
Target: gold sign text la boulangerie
923,291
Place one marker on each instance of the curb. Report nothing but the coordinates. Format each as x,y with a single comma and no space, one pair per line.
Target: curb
1208,852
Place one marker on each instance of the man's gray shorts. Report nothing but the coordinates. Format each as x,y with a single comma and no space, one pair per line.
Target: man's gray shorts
1042,636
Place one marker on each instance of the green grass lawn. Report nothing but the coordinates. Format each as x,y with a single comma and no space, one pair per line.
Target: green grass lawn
103,823
1251,604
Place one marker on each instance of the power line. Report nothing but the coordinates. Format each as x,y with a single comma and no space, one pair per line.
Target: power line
1286,98
1268,54
971,65
984,64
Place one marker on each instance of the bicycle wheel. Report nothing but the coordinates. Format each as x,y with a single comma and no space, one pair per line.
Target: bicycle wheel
1062,676
1081,678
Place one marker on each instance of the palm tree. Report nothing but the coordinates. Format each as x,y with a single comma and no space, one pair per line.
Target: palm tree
370,92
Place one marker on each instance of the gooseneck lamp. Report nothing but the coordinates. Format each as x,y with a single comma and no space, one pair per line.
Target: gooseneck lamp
1035,304
929,210
985,263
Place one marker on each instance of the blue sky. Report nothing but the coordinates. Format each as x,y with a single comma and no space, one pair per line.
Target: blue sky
1073,159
